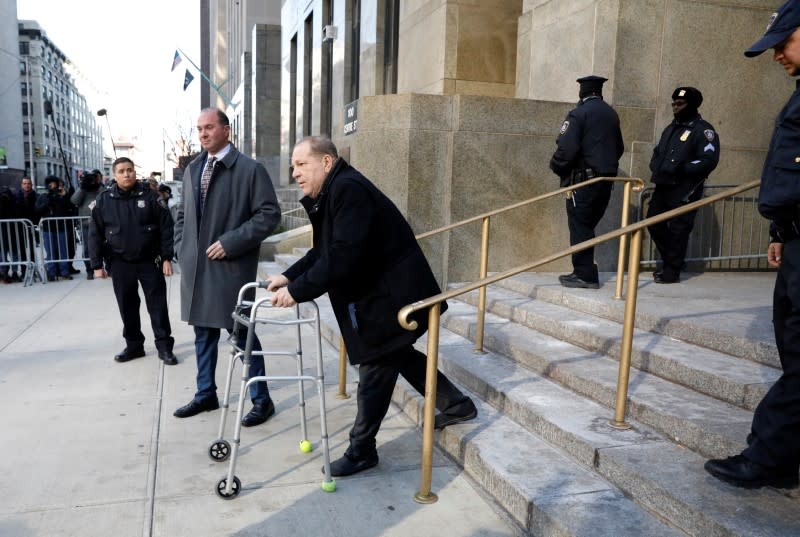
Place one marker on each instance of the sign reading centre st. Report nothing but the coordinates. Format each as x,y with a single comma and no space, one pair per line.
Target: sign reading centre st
350,118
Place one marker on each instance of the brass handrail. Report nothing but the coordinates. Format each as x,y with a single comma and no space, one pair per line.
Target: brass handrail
424,495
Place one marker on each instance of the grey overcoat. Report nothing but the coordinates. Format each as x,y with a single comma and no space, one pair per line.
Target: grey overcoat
241,211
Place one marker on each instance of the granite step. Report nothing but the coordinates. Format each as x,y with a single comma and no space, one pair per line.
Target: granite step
727,312
729,378
702,423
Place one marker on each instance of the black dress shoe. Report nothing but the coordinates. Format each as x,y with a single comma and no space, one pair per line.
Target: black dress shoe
663,277
195,407
73,270
90,275
457,413
573,280
347,466
65,277
128,354
167,357
259,414
741,472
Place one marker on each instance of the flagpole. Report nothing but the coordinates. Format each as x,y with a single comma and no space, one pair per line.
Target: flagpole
202,73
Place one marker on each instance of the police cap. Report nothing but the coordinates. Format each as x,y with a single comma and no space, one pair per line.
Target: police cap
164,188
591,84
52,179
692,96
781,25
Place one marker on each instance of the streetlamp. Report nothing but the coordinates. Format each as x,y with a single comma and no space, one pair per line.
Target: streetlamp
104,112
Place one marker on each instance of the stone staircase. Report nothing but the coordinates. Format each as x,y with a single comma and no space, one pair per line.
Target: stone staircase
702,358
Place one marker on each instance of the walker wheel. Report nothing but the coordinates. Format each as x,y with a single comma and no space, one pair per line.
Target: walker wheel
329,486
219,450
235,488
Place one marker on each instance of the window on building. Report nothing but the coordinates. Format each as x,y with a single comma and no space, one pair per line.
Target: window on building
326,109
24,86
353,54
308,52
24,48
24,109
293,91
22,68
391,31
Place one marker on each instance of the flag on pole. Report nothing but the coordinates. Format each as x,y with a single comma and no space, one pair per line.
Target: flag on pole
175,61
187,79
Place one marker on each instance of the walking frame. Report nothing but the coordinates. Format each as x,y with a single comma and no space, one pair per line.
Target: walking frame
246,314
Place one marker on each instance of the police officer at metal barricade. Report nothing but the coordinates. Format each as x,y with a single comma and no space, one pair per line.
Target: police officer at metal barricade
131,229
772,456
589,145
682,161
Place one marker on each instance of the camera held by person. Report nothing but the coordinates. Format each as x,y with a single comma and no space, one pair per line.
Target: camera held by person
90,181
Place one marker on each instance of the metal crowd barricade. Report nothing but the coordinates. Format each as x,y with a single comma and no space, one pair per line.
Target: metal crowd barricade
62,241
17,249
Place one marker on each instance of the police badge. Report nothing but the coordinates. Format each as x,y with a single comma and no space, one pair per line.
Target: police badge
564,128
140,203
92,204
685,135
709,135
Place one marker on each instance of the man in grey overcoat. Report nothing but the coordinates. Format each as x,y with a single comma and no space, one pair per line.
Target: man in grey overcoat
227,209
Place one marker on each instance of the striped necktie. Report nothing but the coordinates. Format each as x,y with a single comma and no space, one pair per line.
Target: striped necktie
205,180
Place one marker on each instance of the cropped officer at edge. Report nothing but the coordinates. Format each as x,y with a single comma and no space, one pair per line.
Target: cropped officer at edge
589,145
683,159
772,456
131,229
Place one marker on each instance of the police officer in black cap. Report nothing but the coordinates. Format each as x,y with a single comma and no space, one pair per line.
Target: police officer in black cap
684,157
589,145
130,228
772,457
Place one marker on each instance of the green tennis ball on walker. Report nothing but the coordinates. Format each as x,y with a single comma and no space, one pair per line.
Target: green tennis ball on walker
329,486
306,446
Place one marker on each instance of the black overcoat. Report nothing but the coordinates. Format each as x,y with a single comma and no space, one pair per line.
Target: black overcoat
365,256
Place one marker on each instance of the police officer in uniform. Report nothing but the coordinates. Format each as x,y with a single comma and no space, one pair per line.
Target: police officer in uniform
131,229
589,145
773,453
683,159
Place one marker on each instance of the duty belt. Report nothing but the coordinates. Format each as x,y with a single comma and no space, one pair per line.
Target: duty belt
582,175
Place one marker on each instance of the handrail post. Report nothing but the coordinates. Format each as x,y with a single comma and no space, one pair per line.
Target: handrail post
623,240
424,495
484,270
627,332
342,371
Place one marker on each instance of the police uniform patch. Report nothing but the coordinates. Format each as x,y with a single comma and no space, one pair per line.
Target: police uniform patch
92,204
564,127
709,135
682,93
685,135
141,204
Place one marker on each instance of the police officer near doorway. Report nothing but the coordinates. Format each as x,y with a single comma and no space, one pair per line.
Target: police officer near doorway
131,229
772,456
684,157
589,145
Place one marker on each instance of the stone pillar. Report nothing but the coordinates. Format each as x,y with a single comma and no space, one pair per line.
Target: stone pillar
266,98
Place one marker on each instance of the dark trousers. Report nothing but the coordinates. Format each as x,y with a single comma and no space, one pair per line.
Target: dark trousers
672,237
775,434
127,277
376,382
206,344
584,211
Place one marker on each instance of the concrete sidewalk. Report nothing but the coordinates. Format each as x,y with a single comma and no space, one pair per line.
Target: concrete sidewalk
92,448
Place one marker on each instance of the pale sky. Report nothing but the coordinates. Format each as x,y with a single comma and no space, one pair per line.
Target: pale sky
125,50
